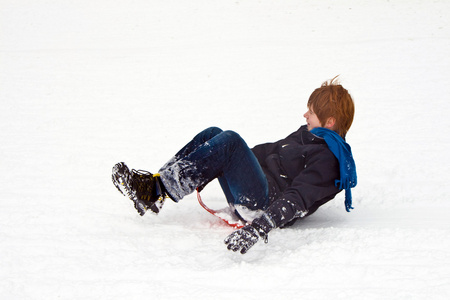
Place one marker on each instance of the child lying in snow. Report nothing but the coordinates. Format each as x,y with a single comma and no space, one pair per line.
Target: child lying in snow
271,185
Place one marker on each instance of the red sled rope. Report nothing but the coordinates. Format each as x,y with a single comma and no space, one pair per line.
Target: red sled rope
224,214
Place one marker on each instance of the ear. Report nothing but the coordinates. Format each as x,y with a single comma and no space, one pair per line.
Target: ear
330,123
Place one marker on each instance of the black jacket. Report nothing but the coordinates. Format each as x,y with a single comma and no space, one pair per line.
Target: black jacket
301,171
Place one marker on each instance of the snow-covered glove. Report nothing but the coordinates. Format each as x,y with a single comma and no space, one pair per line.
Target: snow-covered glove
244,238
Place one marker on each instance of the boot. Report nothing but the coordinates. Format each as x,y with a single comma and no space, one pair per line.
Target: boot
143,188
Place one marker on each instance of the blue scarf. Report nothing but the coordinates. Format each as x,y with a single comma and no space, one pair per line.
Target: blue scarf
347,167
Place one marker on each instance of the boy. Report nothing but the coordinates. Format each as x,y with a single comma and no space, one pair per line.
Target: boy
269,186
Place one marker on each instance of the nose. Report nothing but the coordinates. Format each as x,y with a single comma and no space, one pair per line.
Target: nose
305,115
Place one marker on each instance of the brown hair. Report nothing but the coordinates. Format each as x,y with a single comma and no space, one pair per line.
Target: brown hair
332,100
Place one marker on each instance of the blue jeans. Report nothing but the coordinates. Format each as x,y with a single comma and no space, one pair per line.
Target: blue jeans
224,155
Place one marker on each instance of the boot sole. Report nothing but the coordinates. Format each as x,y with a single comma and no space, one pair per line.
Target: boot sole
122,180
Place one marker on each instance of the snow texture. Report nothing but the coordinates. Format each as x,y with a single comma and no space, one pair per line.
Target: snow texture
87,84
177,182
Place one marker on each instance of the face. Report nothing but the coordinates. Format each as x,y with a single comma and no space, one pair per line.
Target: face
312,121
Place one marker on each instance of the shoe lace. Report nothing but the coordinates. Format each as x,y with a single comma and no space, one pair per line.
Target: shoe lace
147,187
142,184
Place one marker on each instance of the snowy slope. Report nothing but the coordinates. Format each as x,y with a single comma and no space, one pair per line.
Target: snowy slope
85,84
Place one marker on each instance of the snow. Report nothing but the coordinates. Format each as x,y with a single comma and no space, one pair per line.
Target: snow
86,84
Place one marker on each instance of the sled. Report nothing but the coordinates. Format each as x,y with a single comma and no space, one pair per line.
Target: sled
225,214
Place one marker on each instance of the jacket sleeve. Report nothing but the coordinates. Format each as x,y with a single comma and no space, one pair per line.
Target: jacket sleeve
312,187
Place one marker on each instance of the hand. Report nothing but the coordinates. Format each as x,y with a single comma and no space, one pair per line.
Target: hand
244,238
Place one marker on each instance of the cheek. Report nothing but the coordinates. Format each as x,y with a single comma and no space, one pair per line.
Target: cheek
315,121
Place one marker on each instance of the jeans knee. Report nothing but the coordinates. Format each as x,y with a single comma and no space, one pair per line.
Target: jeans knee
232,135
235,138
213,131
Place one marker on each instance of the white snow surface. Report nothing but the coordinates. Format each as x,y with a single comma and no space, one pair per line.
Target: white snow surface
86,84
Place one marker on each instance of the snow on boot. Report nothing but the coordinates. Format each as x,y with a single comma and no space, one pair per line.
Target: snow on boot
142,187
